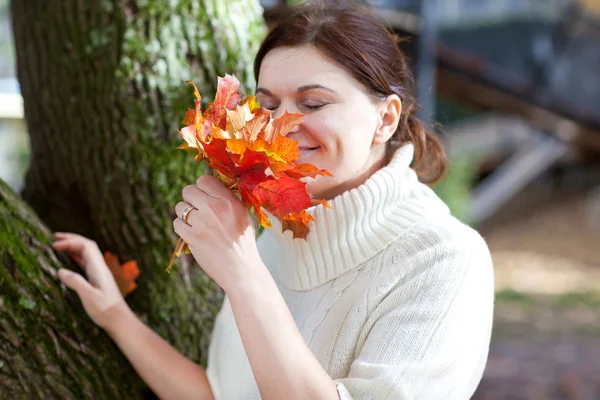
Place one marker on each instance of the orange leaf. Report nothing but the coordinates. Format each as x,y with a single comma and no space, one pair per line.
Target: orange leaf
190,116
311,171
237,146
324,203
297,171
297,223
125,275
285,148
282,125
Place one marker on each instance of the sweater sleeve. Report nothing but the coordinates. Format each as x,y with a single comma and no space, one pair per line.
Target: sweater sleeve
429,337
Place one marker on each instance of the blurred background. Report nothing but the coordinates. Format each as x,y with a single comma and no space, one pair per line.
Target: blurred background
514,88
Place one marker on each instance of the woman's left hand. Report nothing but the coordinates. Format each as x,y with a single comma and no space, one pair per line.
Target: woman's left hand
219,231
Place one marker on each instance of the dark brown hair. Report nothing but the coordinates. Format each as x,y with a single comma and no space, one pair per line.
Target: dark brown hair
360,43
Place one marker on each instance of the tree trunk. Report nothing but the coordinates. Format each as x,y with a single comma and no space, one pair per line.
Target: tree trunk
47,349
103,83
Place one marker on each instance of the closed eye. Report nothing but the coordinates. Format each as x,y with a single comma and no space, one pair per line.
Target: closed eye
316,107
268,105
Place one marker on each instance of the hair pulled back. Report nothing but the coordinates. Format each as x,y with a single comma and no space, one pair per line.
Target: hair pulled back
356,40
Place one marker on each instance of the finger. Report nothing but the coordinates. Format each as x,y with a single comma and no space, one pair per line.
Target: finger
68,244
76,248
183,230
88,256
213,187
196,197
75,282
180,209
74,252
85,248
68,235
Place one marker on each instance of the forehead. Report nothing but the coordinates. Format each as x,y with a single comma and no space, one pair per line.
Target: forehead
292,67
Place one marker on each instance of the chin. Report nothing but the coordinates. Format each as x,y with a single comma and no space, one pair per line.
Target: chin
321,187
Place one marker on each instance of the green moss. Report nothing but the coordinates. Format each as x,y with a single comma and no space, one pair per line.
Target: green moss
27,303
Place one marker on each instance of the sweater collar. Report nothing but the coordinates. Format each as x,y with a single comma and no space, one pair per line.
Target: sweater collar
361,223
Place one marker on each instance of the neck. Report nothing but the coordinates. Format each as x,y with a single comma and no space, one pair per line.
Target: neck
375,162
362,222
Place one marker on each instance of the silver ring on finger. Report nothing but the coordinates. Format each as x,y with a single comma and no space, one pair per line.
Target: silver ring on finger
186,213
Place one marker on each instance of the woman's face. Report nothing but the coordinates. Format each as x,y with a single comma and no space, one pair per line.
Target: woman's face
344,129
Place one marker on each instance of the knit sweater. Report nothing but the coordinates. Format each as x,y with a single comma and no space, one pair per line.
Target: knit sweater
392,294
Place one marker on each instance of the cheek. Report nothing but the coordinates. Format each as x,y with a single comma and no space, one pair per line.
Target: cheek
321,129
345,135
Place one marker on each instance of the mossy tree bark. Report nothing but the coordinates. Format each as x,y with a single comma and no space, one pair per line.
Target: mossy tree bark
48,348
103,83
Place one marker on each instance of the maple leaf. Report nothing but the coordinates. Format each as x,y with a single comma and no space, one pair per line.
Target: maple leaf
324,203
221,159
247,149
227,98
297,223
254,106
190,116
282,196
237,119
282,125
285,149
125,275
297,171
253,127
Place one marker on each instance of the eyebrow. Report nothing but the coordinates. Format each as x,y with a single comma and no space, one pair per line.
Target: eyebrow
301,89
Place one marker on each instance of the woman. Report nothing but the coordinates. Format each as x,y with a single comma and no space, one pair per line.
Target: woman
390,297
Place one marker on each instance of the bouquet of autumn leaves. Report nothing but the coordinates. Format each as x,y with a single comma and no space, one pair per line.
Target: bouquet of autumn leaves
247,149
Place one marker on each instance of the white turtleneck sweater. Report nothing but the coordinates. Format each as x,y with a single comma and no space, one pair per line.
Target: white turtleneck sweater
392,294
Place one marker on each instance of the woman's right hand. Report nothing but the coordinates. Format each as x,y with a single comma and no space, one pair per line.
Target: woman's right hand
99,294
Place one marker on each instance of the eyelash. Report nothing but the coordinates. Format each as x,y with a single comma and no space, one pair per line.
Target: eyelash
315,107
309,107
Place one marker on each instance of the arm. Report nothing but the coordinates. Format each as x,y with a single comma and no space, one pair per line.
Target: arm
168,373
282,363
220,236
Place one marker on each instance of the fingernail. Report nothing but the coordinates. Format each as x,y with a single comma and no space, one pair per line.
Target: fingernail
64,272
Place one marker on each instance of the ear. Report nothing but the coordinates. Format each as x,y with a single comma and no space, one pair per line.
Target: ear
389,117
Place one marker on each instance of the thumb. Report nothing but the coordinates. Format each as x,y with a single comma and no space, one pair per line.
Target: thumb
74,281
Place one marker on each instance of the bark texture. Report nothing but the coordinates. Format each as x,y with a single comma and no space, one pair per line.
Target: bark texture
103,83
47,349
